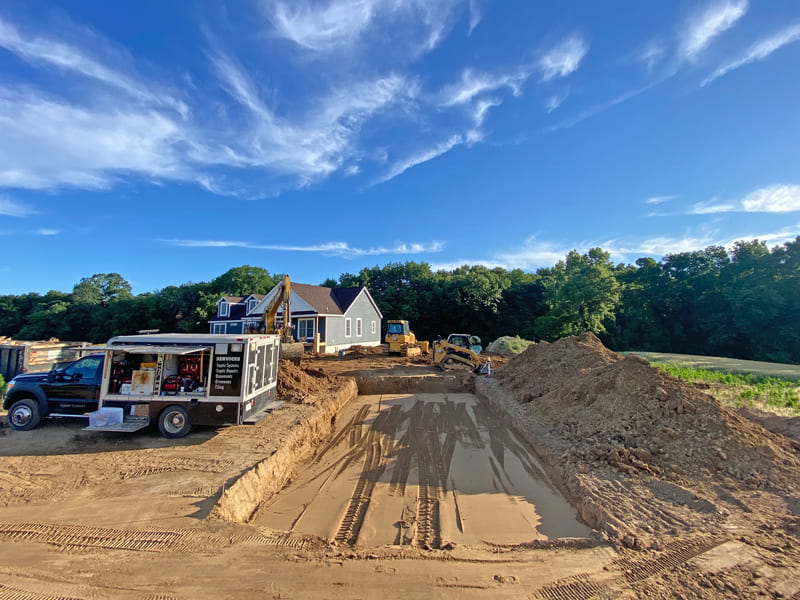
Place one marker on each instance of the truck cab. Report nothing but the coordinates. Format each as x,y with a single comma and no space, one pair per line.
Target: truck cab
68,390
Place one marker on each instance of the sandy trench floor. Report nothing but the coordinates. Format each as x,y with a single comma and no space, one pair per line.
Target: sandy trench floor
426,470
376,509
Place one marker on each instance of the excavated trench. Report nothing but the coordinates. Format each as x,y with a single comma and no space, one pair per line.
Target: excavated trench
408,461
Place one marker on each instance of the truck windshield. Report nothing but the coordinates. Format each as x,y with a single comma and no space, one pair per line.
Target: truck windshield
395,328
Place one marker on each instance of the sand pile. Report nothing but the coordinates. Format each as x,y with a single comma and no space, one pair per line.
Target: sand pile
299,385
622,412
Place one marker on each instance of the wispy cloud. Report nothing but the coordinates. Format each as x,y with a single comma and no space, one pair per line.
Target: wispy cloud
652,54
758,51
48,143
564,58
659,199
475,15
322,28
56,53
339,24
554,101
598,108
707,24
339,249
473,83
770,199
11,208
420,157
48,231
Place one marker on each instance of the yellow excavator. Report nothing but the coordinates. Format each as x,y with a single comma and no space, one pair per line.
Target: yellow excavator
461,349
280,296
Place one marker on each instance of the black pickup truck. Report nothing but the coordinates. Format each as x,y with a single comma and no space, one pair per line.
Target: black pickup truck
70,390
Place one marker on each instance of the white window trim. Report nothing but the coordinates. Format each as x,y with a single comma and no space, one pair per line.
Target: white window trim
251,304
223,308
299,328
348,327
218,327
359,328
373,328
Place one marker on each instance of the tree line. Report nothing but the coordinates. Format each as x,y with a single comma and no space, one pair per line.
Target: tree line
742,303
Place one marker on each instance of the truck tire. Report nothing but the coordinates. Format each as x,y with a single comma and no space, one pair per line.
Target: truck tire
24,414
173,422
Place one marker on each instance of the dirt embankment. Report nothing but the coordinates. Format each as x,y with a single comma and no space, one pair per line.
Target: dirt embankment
645,456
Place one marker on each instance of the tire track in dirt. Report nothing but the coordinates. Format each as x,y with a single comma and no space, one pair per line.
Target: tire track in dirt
79,536
357,508
11,593
630,569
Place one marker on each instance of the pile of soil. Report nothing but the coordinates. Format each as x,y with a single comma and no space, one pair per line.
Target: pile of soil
634,417
641,452
303,385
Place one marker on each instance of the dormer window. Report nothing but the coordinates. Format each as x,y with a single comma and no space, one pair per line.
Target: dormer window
223,308
251,304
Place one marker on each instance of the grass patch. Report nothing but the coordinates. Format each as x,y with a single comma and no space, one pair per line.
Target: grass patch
508,345
743,389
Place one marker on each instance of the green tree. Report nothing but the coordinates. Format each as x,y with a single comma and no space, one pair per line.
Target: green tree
101,288
581,294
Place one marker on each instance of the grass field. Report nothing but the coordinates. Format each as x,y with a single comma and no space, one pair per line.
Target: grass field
768,386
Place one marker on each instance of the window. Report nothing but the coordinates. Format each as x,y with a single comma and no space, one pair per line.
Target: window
223,308
347,327
251,304
219,328
359,328
84,370
373,328
305,328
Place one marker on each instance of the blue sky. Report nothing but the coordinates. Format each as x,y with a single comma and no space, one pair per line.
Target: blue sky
171,141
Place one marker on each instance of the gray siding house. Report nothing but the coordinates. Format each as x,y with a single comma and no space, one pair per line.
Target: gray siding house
343,317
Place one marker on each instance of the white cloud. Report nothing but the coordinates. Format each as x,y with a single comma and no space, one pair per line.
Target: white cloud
708,24
770,199
11,208
473,84
786,234
659,199
564,58
420,157
475,15
599,108
554,101
773,199
41,49
48,231
337,24
651,55
758,51
46,143
340,249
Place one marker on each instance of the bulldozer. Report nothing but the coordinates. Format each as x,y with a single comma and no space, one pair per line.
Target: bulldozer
461,349
401,339
280,296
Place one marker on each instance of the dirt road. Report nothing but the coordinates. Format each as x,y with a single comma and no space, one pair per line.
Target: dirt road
425,470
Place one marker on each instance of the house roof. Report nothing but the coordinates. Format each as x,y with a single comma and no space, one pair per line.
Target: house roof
323,300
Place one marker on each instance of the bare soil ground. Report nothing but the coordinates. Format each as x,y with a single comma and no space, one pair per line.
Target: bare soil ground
572,474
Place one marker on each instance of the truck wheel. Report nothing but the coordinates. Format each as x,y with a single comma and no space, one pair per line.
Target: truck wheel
173,422
24,415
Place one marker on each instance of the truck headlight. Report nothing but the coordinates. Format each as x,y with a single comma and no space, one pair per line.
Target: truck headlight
10,385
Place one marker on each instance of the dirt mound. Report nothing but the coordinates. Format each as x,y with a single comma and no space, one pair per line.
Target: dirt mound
637,419
296,384
508,345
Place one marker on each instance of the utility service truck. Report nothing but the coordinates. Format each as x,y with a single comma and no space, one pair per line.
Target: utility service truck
175,380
